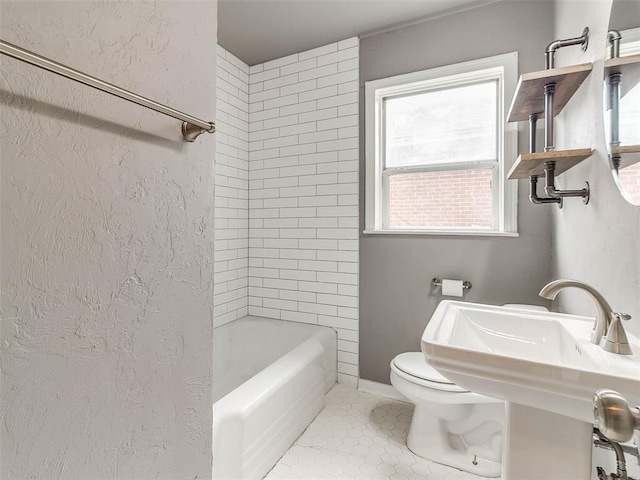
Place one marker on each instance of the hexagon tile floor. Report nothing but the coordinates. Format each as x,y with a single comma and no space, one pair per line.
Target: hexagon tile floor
359,436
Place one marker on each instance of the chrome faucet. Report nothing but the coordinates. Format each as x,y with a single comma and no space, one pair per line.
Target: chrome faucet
607,325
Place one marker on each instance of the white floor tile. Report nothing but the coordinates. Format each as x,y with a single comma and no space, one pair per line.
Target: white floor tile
359,436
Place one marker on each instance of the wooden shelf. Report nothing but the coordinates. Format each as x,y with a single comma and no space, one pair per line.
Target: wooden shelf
529,96
532,164
621,64
629,154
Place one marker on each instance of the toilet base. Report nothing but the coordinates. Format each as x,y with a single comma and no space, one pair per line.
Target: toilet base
432,438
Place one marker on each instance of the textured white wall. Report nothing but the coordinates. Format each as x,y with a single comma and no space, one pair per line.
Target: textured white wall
107,240
303,193
232,189
598,243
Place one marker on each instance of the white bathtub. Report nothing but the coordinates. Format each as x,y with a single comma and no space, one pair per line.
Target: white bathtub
269,381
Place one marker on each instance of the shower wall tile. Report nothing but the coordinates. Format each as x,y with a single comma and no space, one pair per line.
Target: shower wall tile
231,190
303,192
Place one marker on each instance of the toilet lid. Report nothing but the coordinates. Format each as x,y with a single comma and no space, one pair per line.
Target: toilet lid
414,364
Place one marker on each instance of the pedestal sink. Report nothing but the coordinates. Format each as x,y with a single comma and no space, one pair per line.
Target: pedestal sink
545,368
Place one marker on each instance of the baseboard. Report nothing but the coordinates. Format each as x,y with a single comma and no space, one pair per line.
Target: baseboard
380,389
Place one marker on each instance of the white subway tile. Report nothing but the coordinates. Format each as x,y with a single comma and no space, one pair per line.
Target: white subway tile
298,254
299,108
323,179
298,296
318,308
339,56
351,64
338,300
300,317
318,72
338,78
299,87
318,266
280,62
264,312
350,346
346,278
327,91
325,200
347,357
338,322
343,144
349,211
318,51
281,141
348,43
348,132
347,336
299,66
318,158
346,166
318,136
281,101
280,284
298,129
319,244
303,276
319,114
282,81
347,312
316,287
264,75
282,121
349,87
338,100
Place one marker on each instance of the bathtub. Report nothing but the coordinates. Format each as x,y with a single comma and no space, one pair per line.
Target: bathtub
269,381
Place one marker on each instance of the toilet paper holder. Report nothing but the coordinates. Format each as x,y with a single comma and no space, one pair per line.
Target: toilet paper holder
437,282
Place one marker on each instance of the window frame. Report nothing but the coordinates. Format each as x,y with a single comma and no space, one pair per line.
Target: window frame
501,68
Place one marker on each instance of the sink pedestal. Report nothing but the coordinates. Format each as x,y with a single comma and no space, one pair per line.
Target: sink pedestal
541,444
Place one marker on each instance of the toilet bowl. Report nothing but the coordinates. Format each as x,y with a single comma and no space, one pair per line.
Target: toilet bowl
450,425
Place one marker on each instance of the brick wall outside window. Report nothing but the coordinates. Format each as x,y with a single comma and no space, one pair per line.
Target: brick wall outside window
453,199
630,178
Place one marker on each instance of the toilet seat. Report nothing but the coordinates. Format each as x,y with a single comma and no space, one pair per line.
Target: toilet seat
412,367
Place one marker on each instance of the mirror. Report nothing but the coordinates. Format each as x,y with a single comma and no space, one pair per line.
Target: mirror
622,97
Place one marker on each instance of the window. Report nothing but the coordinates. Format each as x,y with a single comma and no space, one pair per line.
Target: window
438,148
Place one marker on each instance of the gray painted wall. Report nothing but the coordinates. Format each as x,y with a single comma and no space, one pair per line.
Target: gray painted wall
599,243
396,301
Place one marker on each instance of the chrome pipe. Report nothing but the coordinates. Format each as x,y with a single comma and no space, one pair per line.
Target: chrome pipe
191,127
613,100
549,92
550,51
533,120
551,190
533,194
621,464
614,37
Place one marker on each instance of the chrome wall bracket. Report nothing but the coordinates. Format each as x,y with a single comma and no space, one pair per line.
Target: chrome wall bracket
190,131
550,52
551,190
533,194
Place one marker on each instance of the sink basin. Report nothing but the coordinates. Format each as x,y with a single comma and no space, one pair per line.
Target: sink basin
541,359
543,365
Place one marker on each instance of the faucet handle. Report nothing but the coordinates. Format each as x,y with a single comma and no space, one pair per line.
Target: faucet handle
616,340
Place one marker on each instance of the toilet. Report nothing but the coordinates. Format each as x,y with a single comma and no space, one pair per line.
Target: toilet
450,425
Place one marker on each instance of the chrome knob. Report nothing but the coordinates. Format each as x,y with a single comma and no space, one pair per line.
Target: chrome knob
613,416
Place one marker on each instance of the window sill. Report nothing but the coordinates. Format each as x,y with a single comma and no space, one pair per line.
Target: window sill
447,233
